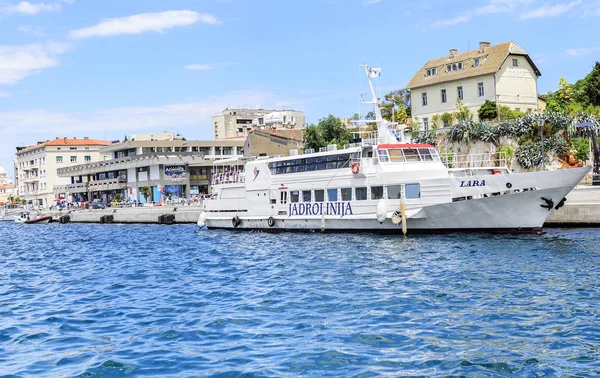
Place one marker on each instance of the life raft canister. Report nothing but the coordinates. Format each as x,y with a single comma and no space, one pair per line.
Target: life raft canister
355,168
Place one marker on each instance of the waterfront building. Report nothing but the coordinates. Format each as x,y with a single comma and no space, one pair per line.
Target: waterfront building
273,142
237,123
166,164
36,166
503,73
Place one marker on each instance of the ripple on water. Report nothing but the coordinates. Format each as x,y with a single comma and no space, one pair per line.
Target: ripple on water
113,300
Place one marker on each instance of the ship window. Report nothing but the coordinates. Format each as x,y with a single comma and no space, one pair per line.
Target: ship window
321,166
346,194
332,195
294,196
331,165
376,192
311,167
413,190
360,194
411,154
332,158
396,154
319,195
383,156
321,159
283,197
394,191
425,155
434,154
301,168
306,197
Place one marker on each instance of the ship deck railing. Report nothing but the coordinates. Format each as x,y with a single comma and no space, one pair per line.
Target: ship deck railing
480,160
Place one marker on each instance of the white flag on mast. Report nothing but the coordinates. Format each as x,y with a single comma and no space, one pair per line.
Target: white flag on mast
374,72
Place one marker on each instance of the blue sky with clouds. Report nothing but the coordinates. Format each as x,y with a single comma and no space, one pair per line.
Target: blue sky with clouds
108,68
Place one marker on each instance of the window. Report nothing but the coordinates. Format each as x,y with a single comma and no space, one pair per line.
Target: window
480,90
332,195
446,123
444,97
383,156
426,124
75,148
431,72
515,62
346,194
306,197
294,196
319,195
87,158
394,192
411,154
59,159
360,194
376,192
476,62
73,159
283,197
459,92
396,154
424,98
448,67
425,154
413,190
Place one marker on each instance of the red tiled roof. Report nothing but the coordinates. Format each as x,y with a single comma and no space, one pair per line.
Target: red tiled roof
68,142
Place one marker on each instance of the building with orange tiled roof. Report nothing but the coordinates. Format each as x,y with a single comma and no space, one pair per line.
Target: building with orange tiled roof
36,166
502,73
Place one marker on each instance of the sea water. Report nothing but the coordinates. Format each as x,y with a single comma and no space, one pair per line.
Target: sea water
151,300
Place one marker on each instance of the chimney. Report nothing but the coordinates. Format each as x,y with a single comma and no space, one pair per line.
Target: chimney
453,52
483,45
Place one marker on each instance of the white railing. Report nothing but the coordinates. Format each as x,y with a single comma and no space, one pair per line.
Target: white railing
452,160
228,178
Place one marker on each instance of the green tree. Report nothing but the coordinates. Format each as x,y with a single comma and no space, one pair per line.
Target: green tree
312,137
145,192
462,113
447,119
436,123
592,85
396,104
488,111
333,131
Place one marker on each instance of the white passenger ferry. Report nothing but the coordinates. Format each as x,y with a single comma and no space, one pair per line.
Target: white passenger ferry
383,185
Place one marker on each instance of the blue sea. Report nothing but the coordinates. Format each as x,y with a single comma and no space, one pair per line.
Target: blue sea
150,300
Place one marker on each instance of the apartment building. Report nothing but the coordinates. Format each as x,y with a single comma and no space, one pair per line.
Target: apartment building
167,164
503,73
237,123
36,166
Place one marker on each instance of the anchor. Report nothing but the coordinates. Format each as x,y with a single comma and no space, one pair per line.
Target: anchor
561,203
549,204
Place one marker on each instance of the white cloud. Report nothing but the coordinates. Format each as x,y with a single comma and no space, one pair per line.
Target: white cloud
26,7
205,67
451,21
143,22
548,10
18,62
4,94
581,51
37,31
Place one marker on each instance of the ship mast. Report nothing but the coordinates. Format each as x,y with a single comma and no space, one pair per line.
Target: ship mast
384,133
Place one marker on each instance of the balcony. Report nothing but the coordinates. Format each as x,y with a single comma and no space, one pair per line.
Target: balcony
104,185
78,187
31,179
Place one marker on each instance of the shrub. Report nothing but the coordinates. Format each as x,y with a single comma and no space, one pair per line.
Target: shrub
581,147
488,111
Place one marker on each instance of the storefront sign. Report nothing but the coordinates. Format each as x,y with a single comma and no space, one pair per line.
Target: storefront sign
175,172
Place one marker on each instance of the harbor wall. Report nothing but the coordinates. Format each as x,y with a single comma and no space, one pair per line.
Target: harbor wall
581,209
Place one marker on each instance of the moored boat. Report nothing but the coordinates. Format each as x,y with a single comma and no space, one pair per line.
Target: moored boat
382,184
26,218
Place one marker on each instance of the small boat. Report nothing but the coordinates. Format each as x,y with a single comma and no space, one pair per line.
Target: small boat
26,218
9,214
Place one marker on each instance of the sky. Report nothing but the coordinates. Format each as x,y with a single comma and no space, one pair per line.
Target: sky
109,68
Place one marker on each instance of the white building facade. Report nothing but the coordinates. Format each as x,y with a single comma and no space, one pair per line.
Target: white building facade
237,123
502,73
36,166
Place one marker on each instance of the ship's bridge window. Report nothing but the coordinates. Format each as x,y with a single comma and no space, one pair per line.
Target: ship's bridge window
376,192
394,192
383,156
434,154
318,163
425,154
413,190
411,154
396,155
